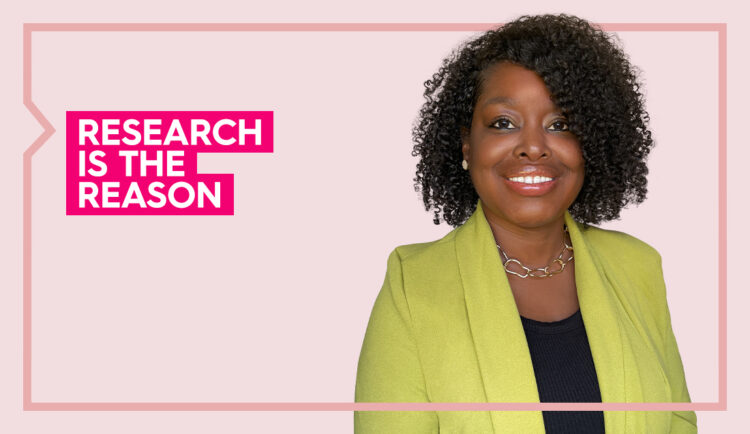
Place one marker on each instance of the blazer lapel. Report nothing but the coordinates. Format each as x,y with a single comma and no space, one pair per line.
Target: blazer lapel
498,336
599,308
497,332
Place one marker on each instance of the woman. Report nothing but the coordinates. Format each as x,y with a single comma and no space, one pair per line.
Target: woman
530,134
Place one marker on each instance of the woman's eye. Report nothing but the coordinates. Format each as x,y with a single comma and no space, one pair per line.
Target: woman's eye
560,125
503,124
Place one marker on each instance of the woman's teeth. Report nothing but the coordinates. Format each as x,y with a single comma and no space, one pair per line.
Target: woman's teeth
530,179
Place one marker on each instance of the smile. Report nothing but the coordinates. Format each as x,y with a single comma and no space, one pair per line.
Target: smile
531,185
530,179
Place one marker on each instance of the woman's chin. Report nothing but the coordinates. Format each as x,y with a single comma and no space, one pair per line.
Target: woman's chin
528,217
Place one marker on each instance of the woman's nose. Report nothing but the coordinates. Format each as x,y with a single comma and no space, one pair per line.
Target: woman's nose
532,144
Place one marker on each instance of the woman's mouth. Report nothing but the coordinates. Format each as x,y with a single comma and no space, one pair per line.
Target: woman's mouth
530,179
531,185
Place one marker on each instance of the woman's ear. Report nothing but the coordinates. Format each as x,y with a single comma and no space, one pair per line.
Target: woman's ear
465,147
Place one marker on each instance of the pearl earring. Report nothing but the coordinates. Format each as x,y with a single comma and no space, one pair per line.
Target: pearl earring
465,165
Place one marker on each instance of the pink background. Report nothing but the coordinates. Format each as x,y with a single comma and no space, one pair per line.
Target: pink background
271,304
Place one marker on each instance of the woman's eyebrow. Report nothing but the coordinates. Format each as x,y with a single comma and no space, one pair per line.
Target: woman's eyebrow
500,100
510,102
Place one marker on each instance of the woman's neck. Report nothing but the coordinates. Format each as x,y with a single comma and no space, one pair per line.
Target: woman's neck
534,247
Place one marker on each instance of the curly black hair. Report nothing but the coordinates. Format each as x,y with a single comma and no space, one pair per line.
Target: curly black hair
590,79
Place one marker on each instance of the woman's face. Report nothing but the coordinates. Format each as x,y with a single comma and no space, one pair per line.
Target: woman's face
525,164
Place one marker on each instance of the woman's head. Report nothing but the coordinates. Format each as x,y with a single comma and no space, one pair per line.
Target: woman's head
594,92
524,162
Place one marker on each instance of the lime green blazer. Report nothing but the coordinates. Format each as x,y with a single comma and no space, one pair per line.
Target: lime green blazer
445,328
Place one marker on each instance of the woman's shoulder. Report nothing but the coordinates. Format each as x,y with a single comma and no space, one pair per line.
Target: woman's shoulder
626,258
426,251
617,243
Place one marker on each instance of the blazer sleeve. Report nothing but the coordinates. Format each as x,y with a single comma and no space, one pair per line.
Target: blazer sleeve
683,422
389,368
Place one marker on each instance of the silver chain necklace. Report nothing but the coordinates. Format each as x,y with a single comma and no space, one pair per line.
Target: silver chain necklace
557,266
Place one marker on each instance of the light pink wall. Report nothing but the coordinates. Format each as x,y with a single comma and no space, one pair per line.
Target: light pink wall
271,304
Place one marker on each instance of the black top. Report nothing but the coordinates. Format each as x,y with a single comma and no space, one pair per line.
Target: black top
564,371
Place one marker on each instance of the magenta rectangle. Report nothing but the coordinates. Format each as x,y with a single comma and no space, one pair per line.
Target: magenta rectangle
146,162
224,126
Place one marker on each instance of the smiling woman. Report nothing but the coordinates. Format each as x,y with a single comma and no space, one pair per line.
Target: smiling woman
518,134
531,134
